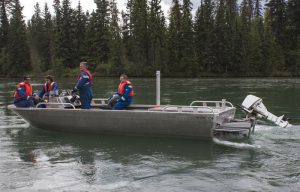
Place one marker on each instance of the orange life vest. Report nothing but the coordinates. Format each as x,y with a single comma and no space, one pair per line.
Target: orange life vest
89,74
27,87
47,89
121,89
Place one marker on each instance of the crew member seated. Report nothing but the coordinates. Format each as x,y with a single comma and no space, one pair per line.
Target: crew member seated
49,89
23,96
125,93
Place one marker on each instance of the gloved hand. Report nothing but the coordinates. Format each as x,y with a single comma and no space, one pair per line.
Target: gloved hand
74,90
123,98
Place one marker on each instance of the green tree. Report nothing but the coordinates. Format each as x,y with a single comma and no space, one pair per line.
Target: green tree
204,26
157,36
47,43
115,40
277,9
4,24
246,15
4,29
57,44
232,37
80,46
174,38
187,62
36,38
293,30
220,46
17,49
140,39
67,36
98,35
273,55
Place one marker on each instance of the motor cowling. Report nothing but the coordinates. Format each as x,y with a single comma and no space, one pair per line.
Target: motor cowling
254,106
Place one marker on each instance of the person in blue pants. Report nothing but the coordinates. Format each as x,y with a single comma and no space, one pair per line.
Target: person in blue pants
84,86
23,96
49,89
125,93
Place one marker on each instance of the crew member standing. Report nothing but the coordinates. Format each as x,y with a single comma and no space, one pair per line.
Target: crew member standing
84,86
23,96
125,92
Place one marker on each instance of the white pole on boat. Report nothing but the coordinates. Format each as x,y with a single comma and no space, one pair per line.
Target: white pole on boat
157,88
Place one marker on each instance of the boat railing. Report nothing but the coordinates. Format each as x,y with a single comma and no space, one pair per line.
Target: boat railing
194,109
102,101
55,104
216,104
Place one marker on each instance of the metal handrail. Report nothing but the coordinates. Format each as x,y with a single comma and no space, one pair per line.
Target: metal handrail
195,108
222,103
102,100
44,103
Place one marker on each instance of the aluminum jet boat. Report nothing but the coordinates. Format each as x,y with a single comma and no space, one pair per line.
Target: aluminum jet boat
199,119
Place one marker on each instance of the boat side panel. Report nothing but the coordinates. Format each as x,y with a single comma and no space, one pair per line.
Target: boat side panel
122,122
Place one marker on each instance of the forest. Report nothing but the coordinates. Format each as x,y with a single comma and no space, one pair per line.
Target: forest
223,38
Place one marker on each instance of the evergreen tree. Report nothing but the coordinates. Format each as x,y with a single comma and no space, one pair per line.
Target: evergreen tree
220,46
174,38
4,24
246,11
80,52
4,29
17,49
157,36
204,26
67,36
231,37
256,55
98,35
277,9
127,34
140,39
257,8
293,53
115,40
57,44
36,38
47,43
187,62
273,55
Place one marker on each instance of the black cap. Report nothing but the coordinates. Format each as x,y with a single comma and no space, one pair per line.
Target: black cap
26,77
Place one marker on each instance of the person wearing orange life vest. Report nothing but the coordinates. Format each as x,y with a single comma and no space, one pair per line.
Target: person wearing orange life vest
125,92
49,89
84,86
23,96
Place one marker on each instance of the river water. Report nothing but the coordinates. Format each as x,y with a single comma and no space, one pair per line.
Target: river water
34,159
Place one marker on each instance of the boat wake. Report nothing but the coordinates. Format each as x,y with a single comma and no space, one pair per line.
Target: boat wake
236,145
25,125
10,122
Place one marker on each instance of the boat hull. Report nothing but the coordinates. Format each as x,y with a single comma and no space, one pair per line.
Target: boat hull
124,122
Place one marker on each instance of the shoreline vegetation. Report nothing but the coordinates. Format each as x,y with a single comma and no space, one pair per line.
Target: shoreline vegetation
224,38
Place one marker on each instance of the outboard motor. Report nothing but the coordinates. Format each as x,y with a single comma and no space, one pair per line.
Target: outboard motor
253,106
